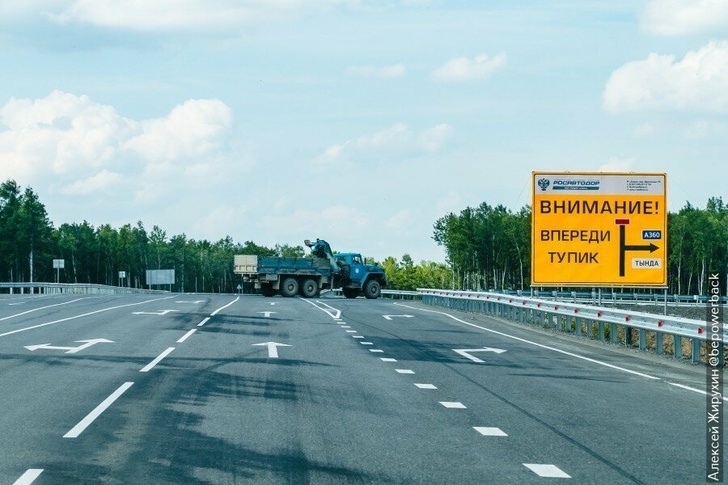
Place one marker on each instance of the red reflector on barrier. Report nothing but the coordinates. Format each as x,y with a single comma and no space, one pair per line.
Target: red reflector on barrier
659,323
626,319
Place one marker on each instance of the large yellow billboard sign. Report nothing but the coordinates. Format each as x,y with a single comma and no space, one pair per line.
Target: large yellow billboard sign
599,229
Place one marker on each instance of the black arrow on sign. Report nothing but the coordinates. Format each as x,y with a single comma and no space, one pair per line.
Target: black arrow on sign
624,247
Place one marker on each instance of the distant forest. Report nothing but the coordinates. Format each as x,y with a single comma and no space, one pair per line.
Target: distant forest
486,247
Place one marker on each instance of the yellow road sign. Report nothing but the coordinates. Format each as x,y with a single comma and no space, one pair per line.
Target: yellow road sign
599,229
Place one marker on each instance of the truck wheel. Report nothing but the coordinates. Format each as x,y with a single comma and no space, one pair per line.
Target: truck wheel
267,290
309,288
289,287
350,292
372,289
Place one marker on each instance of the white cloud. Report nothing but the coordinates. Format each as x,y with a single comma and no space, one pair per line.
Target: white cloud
96,183
696,83
435,138
81,146
208,16
386,72
615,164
62,134
193,129
682,17
466,69
644,130
395,140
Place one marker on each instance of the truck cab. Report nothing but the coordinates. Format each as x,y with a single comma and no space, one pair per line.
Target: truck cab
358,278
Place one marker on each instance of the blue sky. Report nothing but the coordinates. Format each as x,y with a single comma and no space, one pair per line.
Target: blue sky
357,121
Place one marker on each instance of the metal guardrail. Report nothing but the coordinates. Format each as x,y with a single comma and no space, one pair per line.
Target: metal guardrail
69,288
588,320
604,297
394,294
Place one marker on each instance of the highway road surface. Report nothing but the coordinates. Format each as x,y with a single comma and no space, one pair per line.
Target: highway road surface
239,389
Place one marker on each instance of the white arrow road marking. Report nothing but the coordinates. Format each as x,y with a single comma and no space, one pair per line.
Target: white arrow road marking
267,314
71,350
466,353
389,317
272,348
163,312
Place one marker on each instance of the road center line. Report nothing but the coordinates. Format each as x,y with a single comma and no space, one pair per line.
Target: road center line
91,417
29,476
156,361
207,319
185,336
223,307
530,342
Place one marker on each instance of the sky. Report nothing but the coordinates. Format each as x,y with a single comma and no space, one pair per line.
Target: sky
361,122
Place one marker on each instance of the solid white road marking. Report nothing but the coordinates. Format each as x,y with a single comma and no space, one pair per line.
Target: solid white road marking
426,386
687,388
91,417
185,336
336,315
207,319
272,348
36,309
187,301
81,316
28,477
489,431
453,405
267,314
554,349
223,307
387,359
156,361
546,471
404,371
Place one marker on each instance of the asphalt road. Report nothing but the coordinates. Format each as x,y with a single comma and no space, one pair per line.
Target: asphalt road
227,389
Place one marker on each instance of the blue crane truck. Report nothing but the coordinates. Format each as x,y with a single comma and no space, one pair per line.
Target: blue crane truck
324,269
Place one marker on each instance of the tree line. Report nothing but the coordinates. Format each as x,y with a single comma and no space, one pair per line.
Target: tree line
489,247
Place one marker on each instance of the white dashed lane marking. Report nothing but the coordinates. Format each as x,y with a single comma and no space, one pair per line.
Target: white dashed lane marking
405,371
388,359
489,431
546,471
453,405
426,386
